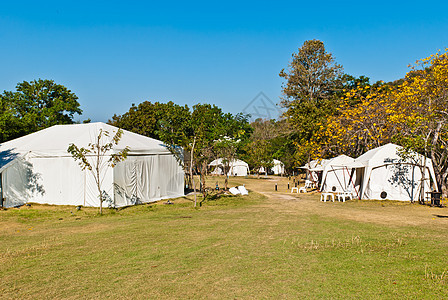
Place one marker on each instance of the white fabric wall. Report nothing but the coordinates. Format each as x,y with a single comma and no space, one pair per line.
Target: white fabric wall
337,180
400,182
15,184
278,170
141,179
238,171
60,181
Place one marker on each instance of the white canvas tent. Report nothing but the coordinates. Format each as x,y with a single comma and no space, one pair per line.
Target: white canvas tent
37,168
382,173
278,168
237,167
336,177
314,170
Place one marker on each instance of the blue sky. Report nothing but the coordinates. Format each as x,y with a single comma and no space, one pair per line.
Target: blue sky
115,53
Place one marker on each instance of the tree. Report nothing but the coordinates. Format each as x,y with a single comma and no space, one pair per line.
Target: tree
421,106
208,125
235,132
313,80
148,118
361,123
259,149
283,145
195,134
94,157
34,106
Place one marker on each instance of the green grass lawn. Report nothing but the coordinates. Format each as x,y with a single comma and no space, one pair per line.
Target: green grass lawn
233,247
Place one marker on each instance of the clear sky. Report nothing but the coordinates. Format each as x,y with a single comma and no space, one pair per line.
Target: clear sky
115,53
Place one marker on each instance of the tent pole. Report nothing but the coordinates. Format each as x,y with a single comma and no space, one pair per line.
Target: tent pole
85,187
351,181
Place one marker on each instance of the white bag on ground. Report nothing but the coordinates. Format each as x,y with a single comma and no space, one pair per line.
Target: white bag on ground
243,190
234,191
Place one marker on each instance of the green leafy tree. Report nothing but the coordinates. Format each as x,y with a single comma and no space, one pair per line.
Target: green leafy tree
148,118
190,138
235,133
282,145
34,106
208,126
259,150
95,157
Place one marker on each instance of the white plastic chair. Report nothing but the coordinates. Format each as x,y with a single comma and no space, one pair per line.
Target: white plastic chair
309,184
325,196
341,196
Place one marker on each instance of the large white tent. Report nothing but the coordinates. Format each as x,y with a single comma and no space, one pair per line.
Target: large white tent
237,167
336,177
37,168
385,173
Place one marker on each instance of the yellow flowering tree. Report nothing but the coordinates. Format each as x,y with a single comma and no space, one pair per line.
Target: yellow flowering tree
421,103
412,112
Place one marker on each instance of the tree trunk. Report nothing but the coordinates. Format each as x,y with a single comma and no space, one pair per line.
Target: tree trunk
226,173
98,174
191,171
444,185
101,199
203,176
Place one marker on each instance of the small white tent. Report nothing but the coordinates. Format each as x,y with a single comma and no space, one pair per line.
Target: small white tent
384,173
314,170
237,167
37,168
278,168
336,177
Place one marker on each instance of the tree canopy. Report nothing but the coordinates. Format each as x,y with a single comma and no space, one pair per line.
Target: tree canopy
34,106
312,82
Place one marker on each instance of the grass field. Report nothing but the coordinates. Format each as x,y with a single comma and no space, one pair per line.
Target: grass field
265,245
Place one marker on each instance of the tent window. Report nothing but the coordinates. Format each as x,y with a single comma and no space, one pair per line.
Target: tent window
383,195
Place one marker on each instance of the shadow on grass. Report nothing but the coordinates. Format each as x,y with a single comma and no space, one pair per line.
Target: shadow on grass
440,216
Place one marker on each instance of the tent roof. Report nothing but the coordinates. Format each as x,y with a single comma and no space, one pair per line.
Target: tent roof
341,160
55,140
316,165
380,153
383,155
277,162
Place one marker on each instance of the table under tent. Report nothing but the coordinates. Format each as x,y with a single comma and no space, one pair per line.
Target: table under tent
237,167
37,168
383,173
